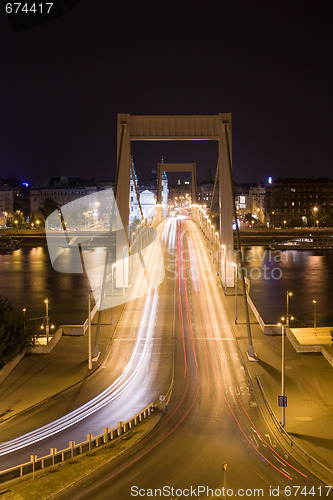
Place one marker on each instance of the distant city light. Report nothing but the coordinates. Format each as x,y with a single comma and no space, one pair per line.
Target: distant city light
270,180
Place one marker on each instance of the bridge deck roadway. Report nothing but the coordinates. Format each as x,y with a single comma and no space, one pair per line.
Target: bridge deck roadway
309,380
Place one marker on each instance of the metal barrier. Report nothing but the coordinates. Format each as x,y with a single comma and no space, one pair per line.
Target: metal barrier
73,450
309,458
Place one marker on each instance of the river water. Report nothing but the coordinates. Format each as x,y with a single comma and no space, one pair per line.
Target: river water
307,274
27,278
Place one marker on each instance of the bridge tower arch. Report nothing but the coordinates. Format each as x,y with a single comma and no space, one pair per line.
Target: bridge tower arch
182,127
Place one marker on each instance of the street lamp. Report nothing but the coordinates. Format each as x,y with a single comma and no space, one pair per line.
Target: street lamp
217,252
225,269
224,468
236,305
315,210
283,366
289,294
212,240
47,320
112,268
24,311
89,331
314,316
124,248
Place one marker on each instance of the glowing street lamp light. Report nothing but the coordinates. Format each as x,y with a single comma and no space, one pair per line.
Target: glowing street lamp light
224,469
47,320
315,210
24,311
289,294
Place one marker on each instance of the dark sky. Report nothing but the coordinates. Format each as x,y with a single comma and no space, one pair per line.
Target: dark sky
268,63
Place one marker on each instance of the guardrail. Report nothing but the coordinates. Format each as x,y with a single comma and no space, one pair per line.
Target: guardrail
74,450
305,455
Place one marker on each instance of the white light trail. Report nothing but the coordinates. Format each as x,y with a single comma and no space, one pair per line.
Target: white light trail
95,404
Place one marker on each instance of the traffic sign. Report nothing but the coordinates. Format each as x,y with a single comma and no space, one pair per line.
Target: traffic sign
282,401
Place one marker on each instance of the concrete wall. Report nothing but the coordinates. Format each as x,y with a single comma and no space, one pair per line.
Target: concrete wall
46,349
267,329
9,367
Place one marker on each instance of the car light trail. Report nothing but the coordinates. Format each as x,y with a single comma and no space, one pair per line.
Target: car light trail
112,392
208,306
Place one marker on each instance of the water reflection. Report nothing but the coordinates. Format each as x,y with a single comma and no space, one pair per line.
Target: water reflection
27,278
309,274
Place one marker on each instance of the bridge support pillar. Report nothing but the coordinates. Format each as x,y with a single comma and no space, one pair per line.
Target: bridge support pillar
226,203
122,198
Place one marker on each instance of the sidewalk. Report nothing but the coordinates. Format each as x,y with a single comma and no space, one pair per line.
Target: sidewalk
308,382
40,376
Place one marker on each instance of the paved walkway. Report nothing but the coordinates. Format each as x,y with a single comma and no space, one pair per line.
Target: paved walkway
313,336
41,376
309,383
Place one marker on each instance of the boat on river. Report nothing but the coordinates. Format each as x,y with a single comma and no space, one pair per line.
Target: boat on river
306,243
9,244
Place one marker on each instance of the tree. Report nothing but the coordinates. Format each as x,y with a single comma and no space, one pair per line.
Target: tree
49,206
15,334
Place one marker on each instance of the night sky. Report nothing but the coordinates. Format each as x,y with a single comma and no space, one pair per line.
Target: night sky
268,63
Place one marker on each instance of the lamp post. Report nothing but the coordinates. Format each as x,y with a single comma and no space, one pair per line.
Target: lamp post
314,316
212,240
124,270
283,363
217,253
283,357
24,311
236,305
112,268
89,331
315,210
224,468
47,320
289,294
225,269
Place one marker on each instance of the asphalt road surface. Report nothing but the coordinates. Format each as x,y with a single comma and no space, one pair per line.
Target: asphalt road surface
212,417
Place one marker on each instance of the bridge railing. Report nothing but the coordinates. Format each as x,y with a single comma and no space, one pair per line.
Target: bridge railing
92,442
